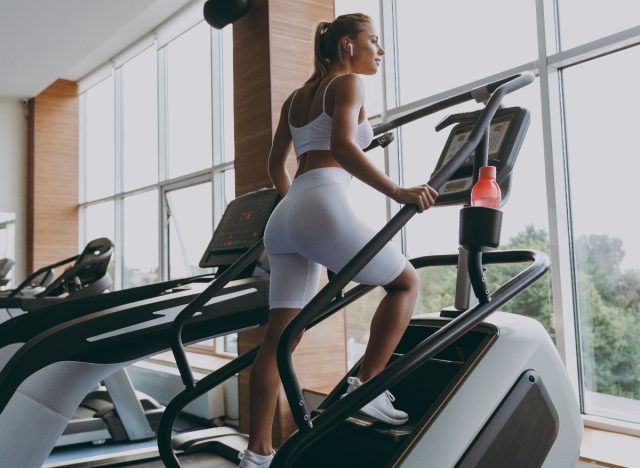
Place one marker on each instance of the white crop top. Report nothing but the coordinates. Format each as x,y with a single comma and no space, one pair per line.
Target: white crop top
316,135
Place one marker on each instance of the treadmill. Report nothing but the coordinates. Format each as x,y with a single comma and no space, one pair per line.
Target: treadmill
125,418
85,276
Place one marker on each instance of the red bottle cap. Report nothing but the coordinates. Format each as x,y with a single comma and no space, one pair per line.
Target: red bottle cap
488,171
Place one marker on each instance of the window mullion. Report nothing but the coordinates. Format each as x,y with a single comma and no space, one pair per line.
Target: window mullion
82,169
557,203
391,100
163,225
118,208
217,98
162,113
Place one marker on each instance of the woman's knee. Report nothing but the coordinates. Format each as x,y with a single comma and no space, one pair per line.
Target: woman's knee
408,281
279,319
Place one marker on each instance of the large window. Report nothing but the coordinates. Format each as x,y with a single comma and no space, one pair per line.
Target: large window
189,108
459,42
99,140
603,167
572,186
157,151
140,239
140,120
578,22
189,229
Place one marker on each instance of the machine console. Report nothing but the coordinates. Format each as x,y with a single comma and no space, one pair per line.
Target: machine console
241,226
507,131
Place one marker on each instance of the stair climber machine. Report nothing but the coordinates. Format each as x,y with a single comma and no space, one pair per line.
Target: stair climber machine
483,388
85,276
442,366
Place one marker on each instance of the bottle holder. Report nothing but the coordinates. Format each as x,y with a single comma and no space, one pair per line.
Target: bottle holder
480,228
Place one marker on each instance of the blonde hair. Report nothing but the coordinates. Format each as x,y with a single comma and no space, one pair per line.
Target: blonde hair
327,41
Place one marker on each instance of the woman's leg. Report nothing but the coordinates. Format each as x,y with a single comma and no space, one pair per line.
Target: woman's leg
389,322
265,383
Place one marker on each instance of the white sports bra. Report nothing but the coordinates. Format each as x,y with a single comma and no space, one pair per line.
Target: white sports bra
316,135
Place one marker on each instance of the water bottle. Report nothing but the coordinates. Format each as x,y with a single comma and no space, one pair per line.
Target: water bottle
486,192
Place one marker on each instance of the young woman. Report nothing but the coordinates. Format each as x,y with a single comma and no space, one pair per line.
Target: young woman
314,224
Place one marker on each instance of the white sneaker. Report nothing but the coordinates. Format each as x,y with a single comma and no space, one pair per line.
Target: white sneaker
381,407
248,459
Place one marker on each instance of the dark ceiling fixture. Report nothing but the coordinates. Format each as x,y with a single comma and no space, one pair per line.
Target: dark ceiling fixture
220,13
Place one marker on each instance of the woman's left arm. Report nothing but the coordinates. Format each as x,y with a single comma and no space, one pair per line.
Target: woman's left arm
278,155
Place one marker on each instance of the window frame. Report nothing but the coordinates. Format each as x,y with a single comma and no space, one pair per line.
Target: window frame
163,35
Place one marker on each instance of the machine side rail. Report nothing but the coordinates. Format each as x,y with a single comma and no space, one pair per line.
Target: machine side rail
424,351
245,360
314,308
177,346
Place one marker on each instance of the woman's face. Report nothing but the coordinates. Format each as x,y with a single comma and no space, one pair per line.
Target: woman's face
367,52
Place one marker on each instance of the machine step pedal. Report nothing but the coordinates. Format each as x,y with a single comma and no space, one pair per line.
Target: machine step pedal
368,424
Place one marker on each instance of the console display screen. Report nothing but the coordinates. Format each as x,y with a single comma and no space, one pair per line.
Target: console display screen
496,136
242,224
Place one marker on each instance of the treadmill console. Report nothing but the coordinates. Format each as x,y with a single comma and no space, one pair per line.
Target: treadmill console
506,134
241,226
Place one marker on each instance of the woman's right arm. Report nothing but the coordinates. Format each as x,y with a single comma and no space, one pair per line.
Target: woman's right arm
279,151
348,100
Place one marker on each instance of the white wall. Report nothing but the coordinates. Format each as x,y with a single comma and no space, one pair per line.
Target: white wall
13,174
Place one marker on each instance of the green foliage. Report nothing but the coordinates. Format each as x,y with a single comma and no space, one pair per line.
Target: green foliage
608,301
438,285
535,301
609,304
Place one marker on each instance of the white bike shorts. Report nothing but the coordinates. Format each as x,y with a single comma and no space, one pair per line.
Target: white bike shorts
315,225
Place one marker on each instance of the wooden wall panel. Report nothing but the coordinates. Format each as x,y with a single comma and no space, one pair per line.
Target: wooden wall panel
252,98
273,55
53,175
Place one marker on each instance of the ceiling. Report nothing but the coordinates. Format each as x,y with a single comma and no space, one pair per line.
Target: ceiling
43,40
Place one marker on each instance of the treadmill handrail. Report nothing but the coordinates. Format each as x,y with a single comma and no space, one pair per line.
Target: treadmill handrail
314,308
42,270
422,352
71,272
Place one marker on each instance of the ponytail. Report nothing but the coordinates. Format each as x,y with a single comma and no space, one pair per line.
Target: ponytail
326,43
321,62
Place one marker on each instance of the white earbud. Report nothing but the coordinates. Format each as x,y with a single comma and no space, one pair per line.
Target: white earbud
350,47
